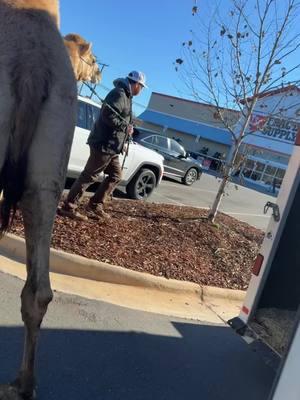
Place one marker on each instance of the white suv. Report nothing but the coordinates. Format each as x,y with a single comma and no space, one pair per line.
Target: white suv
143,168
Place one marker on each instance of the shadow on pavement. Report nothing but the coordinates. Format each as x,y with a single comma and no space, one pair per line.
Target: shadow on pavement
203,362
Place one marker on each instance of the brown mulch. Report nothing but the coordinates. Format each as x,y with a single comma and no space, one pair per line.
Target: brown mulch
164,240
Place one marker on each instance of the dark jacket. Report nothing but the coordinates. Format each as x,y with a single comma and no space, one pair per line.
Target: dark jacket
109,131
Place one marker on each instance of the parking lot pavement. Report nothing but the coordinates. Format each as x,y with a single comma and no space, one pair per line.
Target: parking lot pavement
95,350
240,202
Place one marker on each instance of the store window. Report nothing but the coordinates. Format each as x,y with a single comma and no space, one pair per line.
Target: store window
266,155
259,167
270,170
264,173
280,173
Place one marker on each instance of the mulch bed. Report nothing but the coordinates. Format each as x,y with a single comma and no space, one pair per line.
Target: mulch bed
165,240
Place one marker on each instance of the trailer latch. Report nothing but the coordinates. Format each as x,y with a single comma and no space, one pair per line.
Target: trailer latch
275,208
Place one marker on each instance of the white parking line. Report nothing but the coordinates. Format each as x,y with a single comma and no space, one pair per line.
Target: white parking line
245,214
172,201
175,184
204,190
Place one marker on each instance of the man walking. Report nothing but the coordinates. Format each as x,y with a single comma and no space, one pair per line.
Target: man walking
106,140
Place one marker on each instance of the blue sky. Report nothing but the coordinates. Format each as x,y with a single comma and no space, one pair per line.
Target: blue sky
143,35
132,34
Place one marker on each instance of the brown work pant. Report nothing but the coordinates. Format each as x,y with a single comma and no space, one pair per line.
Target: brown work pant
97,163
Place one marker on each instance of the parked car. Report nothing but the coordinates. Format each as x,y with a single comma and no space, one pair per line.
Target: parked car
177,162
143,168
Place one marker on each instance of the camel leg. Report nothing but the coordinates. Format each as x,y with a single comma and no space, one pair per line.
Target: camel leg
45,181
38,216
38,209
46,170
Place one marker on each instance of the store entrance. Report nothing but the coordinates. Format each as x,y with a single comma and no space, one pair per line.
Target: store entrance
264,172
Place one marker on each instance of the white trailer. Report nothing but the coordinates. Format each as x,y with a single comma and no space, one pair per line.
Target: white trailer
270,315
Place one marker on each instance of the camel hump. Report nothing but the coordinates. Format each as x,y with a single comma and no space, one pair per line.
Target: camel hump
49,6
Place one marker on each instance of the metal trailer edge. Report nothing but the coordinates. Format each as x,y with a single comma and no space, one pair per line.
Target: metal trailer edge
274,259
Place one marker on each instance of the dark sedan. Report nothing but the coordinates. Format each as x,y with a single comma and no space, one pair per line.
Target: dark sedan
177,163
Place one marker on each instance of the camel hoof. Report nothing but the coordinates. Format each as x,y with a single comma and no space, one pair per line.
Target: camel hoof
8,392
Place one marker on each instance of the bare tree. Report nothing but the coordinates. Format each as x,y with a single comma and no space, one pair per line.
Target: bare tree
248,50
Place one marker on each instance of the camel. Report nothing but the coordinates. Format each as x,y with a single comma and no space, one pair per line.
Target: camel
83,61
38,103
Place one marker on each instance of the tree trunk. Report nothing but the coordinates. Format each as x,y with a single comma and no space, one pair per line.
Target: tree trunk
228,170
230,164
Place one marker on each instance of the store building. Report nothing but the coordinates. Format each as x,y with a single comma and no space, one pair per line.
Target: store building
270,137
268,144
196,125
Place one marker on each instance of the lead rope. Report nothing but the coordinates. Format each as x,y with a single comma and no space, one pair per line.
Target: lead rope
110,107
127,136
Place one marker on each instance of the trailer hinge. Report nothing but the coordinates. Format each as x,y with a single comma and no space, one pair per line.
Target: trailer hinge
275,208
238,325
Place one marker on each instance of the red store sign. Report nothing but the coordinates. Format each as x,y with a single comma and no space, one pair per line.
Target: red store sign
274,127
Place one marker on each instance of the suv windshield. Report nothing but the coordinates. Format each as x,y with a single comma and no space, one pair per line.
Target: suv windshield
177,148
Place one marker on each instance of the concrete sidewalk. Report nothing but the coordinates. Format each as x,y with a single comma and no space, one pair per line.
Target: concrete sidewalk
176,304
94,280
92,350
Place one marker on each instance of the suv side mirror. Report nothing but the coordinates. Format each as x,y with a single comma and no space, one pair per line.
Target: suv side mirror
180,155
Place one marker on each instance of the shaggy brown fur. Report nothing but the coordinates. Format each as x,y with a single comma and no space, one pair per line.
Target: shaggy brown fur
38,102
50,6
30,72
82,59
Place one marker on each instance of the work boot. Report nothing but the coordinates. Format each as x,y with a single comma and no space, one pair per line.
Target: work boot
95,211
69,210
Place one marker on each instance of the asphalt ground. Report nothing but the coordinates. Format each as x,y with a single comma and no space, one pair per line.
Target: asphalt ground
95,350
240,202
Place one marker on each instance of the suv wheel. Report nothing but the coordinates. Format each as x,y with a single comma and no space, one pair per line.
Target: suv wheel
141,185
190,177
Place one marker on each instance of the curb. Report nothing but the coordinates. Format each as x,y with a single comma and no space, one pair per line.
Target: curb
64,263
214,292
